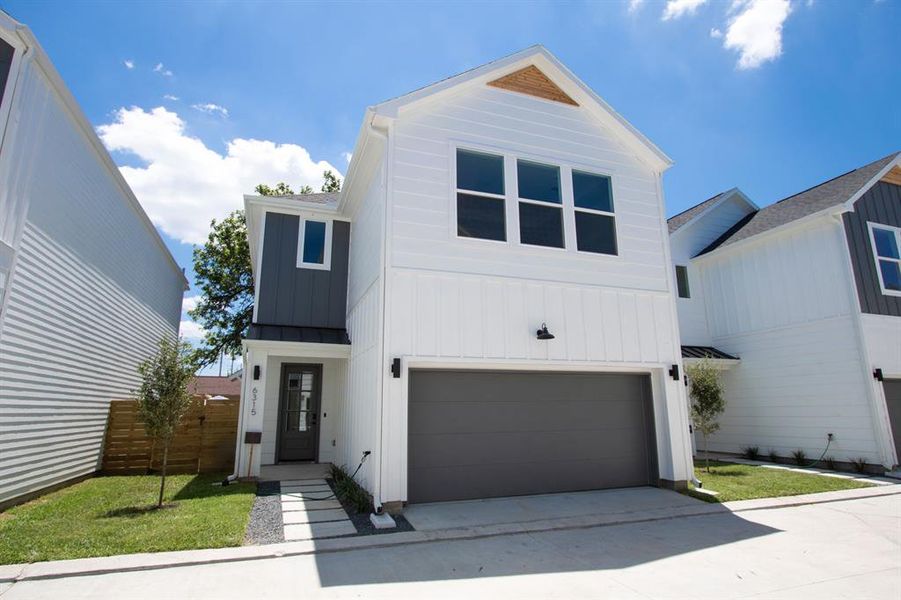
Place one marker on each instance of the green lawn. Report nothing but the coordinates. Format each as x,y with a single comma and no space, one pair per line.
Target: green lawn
114,515
745,482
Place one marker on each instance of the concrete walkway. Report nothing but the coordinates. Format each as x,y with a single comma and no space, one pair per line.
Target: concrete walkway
847,547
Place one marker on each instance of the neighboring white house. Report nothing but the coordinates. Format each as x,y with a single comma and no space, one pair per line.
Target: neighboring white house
806,294
87,286
411,316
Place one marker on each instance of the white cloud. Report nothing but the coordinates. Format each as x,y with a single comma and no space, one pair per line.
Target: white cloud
159,68
634,5
715,33
679,8
185,184
756,31
210,108
190,330
170,97
189,303
347,156
129,64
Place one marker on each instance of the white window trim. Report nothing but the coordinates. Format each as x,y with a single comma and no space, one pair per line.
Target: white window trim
511,200
327,254
876,258
12,81
558,205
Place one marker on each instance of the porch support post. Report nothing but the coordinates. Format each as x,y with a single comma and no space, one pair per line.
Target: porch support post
253,397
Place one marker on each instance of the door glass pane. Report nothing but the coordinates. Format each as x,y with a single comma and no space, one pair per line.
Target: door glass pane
292,420
540,225
307,382
595,233
314,242
481,217
886,243
293,400
293,380
479,172
891,274
538,182
592,191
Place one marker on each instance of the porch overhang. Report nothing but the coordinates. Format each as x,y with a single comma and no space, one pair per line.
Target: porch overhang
718,358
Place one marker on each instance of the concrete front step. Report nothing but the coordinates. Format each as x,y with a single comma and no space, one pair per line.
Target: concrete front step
314,516
325,494
313,531
291,503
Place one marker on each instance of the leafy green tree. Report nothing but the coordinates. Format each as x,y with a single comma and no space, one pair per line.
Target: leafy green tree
223,274
331,183
280,189
707,401
163,397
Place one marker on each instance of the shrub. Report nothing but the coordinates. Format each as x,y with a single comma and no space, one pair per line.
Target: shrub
349,491
752,452
800,457
830,463
707,402
773,456
859,464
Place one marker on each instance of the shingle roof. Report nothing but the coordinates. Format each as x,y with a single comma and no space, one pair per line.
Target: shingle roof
820,197
328,198
677,221
208,385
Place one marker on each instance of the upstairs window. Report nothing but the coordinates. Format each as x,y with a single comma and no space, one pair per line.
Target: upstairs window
886,242
314,244
593,204
682,281
6,61
540,206
481,210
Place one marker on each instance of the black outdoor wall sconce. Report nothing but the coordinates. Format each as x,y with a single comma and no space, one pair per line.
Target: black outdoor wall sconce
395,368
256,372
543,333
674,372
877,373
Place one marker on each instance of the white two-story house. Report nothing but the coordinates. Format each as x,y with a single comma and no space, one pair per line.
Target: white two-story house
802,300
487,307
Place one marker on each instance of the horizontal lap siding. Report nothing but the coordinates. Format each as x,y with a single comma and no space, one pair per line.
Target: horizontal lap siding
92,293
422,196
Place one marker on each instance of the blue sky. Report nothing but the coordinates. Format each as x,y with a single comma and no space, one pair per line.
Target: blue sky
200,100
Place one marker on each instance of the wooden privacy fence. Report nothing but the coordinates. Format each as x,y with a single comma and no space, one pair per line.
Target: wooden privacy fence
204,442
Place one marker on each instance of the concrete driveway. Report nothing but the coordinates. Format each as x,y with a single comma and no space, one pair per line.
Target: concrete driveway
841,549
528,509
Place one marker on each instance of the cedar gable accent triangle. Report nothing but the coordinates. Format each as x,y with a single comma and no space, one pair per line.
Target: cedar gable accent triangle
532,81
893,176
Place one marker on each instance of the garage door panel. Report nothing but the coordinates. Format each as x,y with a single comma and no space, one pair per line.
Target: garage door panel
485,434
509,447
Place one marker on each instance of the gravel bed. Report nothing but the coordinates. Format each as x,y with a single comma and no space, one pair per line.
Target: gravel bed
364,525
265,525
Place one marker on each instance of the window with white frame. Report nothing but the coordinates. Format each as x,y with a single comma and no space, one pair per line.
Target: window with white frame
593,205
6,60
314,244
540,204
886,242
481,203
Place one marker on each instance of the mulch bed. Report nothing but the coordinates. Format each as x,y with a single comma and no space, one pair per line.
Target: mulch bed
361,520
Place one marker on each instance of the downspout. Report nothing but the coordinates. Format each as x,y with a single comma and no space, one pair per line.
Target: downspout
238,442
377,491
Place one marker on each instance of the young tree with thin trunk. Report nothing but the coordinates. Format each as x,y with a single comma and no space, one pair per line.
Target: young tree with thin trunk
163,397
707,401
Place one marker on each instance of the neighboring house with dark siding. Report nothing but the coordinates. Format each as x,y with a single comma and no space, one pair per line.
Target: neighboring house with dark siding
486,307
806,294
87,286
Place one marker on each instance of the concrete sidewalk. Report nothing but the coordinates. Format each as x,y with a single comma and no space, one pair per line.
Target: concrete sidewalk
164,560
828,548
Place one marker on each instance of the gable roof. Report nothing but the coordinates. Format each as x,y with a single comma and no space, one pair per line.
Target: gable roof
828,194
539,57
678,220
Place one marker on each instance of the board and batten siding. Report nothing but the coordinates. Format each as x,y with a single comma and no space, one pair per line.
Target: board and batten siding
457,302
783,305
92,291
295,296
880,204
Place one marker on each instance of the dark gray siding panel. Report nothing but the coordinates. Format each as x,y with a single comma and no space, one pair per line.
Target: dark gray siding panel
892,389
881,204
301,297
480,434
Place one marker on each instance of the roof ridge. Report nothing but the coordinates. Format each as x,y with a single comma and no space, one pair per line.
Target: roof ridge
845,174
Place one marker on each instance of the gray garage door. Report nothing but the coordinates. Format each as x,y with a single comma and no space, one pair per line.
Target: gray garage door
481,434
892,389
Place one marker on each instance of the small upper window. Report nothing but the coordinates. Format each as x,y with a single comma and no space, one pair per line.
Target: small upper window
595,221
886,244
682,281
6,61
313,245
481,210
540,207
